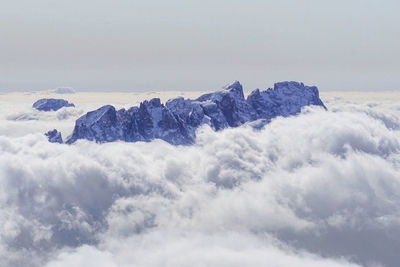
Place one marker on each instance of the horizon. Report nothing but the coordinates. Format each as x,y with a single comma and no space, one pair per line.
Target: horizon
149,90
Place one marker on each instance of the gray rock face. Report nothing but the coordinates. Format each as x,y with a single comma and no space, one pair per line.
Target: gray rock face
54,136
176,121
51,104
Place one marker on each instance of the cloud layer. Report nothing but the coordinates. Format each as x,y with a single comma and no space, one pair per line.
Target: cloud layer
318,189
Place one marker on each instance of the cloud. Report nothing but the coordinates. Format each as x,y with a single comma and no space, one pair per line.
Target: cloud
318,189
173,248
32,114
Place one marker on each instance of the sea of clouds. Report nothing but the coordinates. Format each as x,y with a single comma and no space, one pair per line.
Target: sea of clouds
318,189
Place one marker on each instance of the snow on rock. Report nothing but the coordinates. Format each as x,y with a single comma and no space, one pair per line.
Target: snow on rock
176,121
51,104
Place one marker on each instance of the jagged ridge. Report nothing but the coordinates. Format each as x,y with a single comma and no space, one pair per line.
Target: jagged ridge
176,121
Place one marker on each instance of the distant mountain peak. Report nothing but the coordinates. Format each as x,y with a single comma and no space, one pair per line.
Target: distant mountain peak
51,104
176,121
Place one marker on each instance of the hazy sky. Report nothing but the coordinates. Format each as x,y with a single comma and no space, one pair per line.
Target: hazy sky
135,45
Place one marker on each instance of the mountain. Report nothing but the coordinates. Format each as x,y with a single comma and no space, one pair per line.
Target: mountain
64,90
51,104
176,121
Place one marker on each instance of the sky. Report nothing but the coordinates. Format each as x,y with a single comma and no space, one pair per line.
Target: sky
130,45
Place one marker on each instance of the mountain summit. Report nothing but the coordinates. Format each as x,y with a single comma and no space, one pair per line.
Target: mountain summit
51,104
176,121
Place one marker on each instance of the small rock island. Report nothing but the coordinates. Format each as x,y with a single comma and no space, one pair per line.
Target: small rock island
51,104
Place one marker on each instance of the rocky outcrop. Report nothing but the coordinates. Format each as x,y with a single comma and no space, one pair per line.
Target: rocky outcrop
176,121
51,104
54,136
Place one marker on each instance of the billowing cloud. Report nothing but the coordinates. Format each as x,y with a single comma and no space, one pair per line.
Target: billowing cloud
318,189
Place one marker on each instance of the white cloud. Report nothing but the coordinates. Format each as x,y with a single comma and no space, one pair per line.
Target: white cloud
174,248
318,189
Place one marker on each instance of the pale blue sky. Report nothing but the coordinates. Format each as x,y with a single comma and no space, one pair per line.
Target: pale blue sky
125,45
